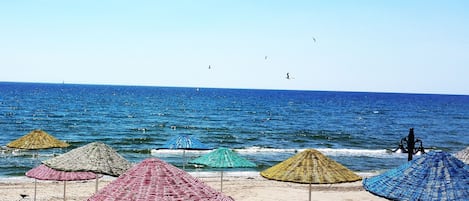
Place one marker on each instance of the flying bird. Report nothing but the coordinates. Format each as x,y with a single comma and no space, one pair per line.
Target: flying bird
314,39
289,77
265,57
209,67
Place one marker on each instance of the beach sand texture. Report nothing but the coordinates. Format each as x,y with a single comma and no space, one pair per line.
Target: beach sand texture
241,188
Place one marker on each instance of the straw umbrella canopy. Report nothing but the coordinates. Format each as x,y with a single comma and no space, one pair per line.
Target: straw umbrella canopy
37,139
184,142
223,158
310,167
94,157
154,179
434,176
463,155
43,172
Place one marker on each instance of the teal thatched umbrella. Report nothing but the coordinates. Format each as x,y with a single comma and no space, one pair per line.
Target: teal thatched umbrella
223,158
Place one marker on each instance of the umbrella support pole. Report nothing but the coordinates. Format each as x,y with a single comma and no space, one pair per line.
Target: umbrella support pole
35,180
184,159
309,191
35,186
96,189
221,186
65,185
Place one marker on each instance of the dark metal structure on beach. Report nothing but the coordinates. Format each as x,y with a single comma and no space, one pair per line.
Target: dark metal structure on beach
410,142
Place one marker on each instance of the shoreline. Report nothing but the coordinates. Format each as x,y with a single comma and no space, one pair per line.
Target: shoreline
198,174
242,186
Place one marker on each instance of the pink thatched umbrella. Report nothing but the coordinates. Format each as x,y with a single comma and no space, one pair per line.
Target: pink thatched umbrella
154,179
43,172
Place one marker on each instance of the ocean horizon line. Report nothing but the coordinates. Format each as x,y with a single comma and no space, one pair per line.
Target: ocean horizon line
234,88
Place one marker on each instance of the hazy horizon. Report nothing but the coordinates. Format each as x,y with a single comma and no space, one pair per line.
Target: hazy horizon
198,88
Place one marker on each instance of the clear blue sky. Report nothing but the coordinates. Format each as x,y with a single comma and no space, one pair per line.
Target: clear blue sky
379,46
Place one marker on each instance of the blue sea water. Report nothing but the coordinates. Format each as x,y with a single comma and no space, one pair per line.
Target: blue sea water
266,126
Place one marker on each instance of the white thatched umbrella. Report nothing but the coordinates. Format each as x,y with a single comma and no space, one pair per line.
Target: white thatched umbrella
94,157
463,155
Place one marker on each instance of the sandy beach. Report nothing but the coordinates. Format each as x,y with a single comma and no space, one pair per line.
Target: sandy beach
248,187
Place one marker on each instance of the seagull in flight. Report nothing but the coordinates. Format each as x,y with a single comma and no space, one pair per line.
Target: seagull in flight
289,77
265,57
314,39
209,67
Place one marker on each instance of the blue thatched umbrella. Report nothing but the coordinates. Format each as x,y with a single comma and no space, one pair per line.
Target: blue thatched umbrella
434,176
184,142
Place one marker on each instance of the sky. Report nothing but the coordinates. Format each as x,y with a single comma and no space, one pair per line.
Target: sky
408,46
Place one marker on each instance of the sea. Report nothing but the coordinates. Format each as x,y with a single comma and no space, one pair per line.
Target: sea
356,129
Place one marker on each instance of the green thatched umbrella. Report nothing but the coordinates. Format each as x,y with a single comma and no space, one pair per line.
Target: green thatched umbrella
94,157
223,158
37,139
310,167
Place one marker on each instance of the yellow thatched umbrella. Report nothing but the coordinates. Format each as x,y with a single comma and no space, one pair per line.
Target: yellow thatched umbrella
37,139
310,167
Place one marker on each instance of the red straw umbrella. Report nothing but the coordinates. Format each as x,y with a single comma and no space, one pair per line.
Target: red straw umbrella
43,172
154,179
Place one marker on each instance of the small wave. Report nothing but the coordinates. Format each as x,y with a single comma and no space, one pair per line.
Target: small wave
173,152
376,153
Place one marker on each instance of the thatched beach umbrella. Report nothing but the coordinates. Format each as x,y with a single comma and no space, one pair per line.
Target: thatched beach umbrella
94,157
434,176
223,158
154,179
35,140
310,167
463,155
43,172
184,142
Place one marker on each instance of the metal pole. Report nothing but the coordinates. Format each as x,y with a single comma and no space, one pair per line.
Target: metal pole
65,184
35,187
96,183
410,144
184,159
221,186
35,180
